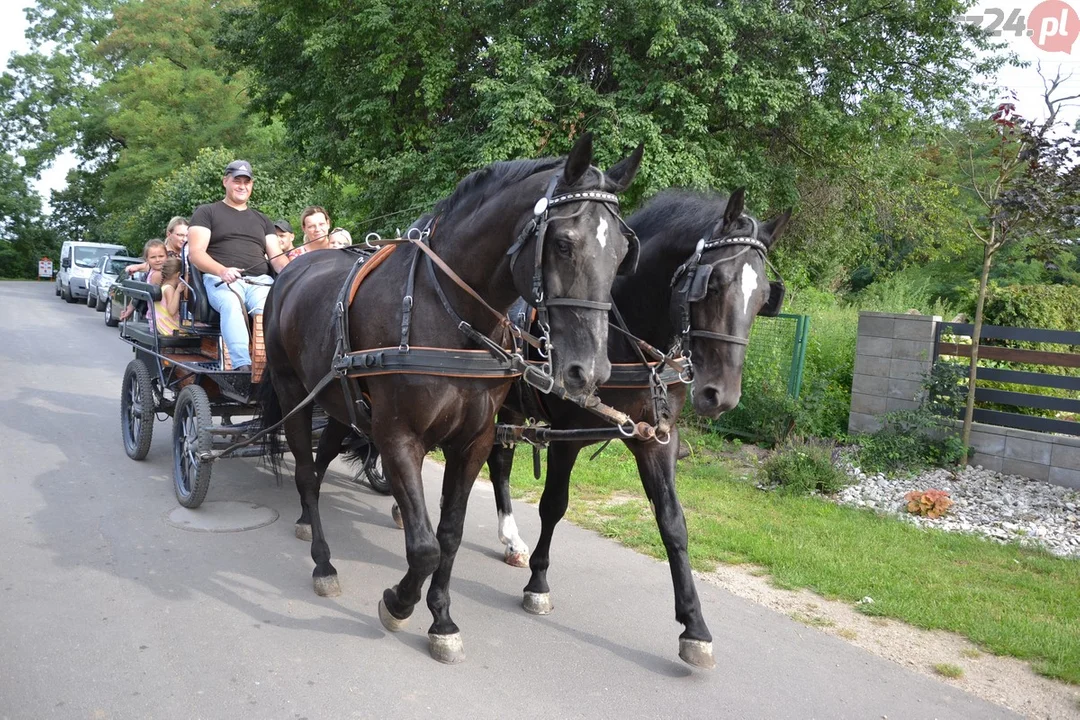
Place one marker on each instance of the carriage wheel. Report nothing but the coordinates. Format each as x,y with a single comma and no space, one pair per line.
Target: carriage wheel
373,473
191,438
137,410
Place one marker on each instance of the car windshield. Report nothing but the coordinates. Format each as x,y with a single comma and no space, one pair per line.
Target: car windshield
116,266
88,256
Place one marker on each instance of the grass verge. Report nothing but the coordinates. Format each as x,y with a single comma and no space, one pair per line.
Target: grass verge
1007,599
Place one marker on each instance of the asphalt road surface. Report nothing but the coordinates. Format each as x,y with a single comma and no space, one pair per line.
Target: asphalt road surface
109,611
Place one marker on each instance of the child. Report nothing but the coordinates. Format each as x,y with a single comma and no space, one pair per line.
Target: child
154,254
166,310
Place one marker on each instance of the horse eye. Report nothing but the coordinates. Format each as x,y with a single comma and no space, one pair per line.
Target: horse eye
565,247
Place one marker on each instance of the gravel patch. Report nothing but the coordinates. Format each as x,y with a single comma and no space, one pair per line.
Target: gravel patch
1004,508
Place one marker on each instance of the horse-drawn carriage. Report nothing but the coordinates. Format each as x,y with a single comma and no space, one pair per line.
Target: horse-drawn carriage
187,376
438,360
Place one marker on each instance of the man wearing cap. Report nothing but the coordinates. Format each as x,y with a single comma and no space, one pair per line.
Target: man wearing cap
227,240
285,234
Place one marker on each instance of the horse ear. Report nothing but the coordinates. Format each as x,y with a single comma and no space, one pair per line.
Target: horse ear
735,206
622,173
775,227
579,160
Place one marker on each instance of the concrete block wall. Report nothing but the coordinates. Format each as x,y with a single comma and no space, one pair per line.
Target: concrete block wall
1039,456
894,354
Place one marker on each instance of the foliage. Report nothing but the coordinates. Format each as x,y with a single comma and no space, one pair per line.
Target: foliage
23,239
803,466
1054,307
134,88
931,503
405,96
917,438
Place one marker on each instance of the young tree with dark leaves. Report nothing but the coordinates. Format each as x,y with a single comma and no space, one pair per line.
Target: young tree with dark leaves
1028,181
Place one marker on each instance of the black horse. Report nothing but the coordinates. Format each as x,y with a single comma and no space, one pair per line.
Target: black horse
705,299
495,216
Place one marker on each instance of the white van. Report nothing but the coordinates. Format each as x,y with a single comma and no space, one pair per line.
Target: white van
77,261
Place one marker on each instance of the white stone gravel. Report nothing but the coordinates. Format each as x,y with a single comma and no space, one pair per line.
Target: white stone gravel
1004,508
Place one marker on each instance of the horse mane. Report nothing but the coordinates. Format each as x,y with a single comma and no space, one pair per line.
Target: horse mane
480,185
677,219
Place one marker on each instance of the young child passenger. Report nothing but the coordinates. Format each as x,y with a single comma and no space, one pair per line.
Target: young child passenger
155,255
166,310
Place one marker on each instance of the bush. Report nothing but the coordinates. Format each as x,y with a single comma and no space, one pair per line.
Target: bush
803,466
917,438
1054,307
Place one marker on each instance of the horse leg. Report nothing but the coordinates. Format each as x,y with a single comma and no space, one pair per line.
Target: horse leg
656,465
404,458
561,459
444,637
298,436
500,462
329,448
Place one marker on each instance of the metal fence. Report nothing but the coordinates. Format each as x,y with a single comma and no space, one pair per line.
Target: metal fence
771,381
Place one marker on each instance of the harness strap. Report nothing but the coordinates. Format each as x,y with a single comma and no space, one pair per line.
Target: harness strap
719,336
574,302
211,456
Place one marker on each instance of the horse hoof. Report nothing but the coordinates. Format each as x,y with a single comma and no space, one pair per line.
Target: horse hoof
446,649
390,622
327,586
395,512
303,532
516,559
697,653
537,603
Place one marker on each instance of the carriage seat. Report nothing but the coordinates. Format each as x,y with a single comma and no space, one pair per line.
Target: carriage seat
200,306
141,331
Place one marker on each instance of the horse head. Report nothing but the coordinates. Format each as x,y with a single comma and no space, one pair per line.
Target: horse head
718,293
569,246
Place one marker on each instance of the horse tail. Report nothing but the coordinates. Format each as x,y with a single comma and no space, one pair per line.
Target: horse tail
268,414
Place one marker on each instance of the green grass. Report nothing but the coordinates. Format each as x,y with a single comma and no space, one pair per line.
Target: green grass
1007,599
949,670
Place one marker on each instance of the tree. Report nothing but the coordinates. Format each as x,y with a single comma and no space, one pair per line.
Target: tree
1032,189
406,96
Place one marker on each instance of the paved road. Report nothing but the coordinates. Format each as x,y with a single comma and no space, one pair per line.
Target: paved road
107,611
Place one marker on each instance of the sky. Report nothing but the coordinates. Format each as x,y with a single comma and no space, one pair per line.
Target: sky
1024,81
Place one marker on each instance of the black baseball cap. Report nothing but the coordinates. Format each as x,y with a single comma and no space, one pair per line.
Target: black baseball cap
239,168
283,226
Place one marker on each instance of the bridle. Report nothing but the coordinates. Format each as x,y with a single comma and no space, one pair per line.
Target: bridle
536,228
690,284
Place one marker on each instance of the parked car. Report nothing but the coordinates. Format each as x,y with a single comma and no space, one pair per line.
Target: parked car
105,273
77,260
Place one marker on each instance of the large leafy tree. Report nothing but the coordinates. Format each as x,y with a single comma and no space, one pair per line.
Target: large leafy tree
133,87
403,97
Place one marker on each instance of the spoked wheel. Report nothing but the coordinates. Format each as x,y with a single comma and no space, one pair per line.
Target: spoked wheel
137,410
191,438
373,473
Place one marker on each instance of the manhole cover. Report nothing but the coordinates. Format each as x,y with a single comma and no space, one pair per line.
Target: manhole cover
222,516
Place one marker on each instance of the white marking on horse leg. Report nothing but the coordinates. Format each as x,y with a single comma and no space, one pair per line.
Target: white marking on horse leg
601,232
517,551
749,285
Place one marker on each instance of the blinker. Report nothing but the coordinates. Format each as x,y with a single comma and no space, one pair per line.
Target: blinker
699,283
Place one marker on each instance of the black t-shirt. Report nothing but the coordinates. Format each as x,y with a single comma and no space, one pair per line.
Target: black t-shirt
237,237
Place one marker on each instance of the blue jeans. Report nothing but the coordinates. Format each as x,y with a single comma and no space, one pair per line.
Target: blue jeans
226,300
